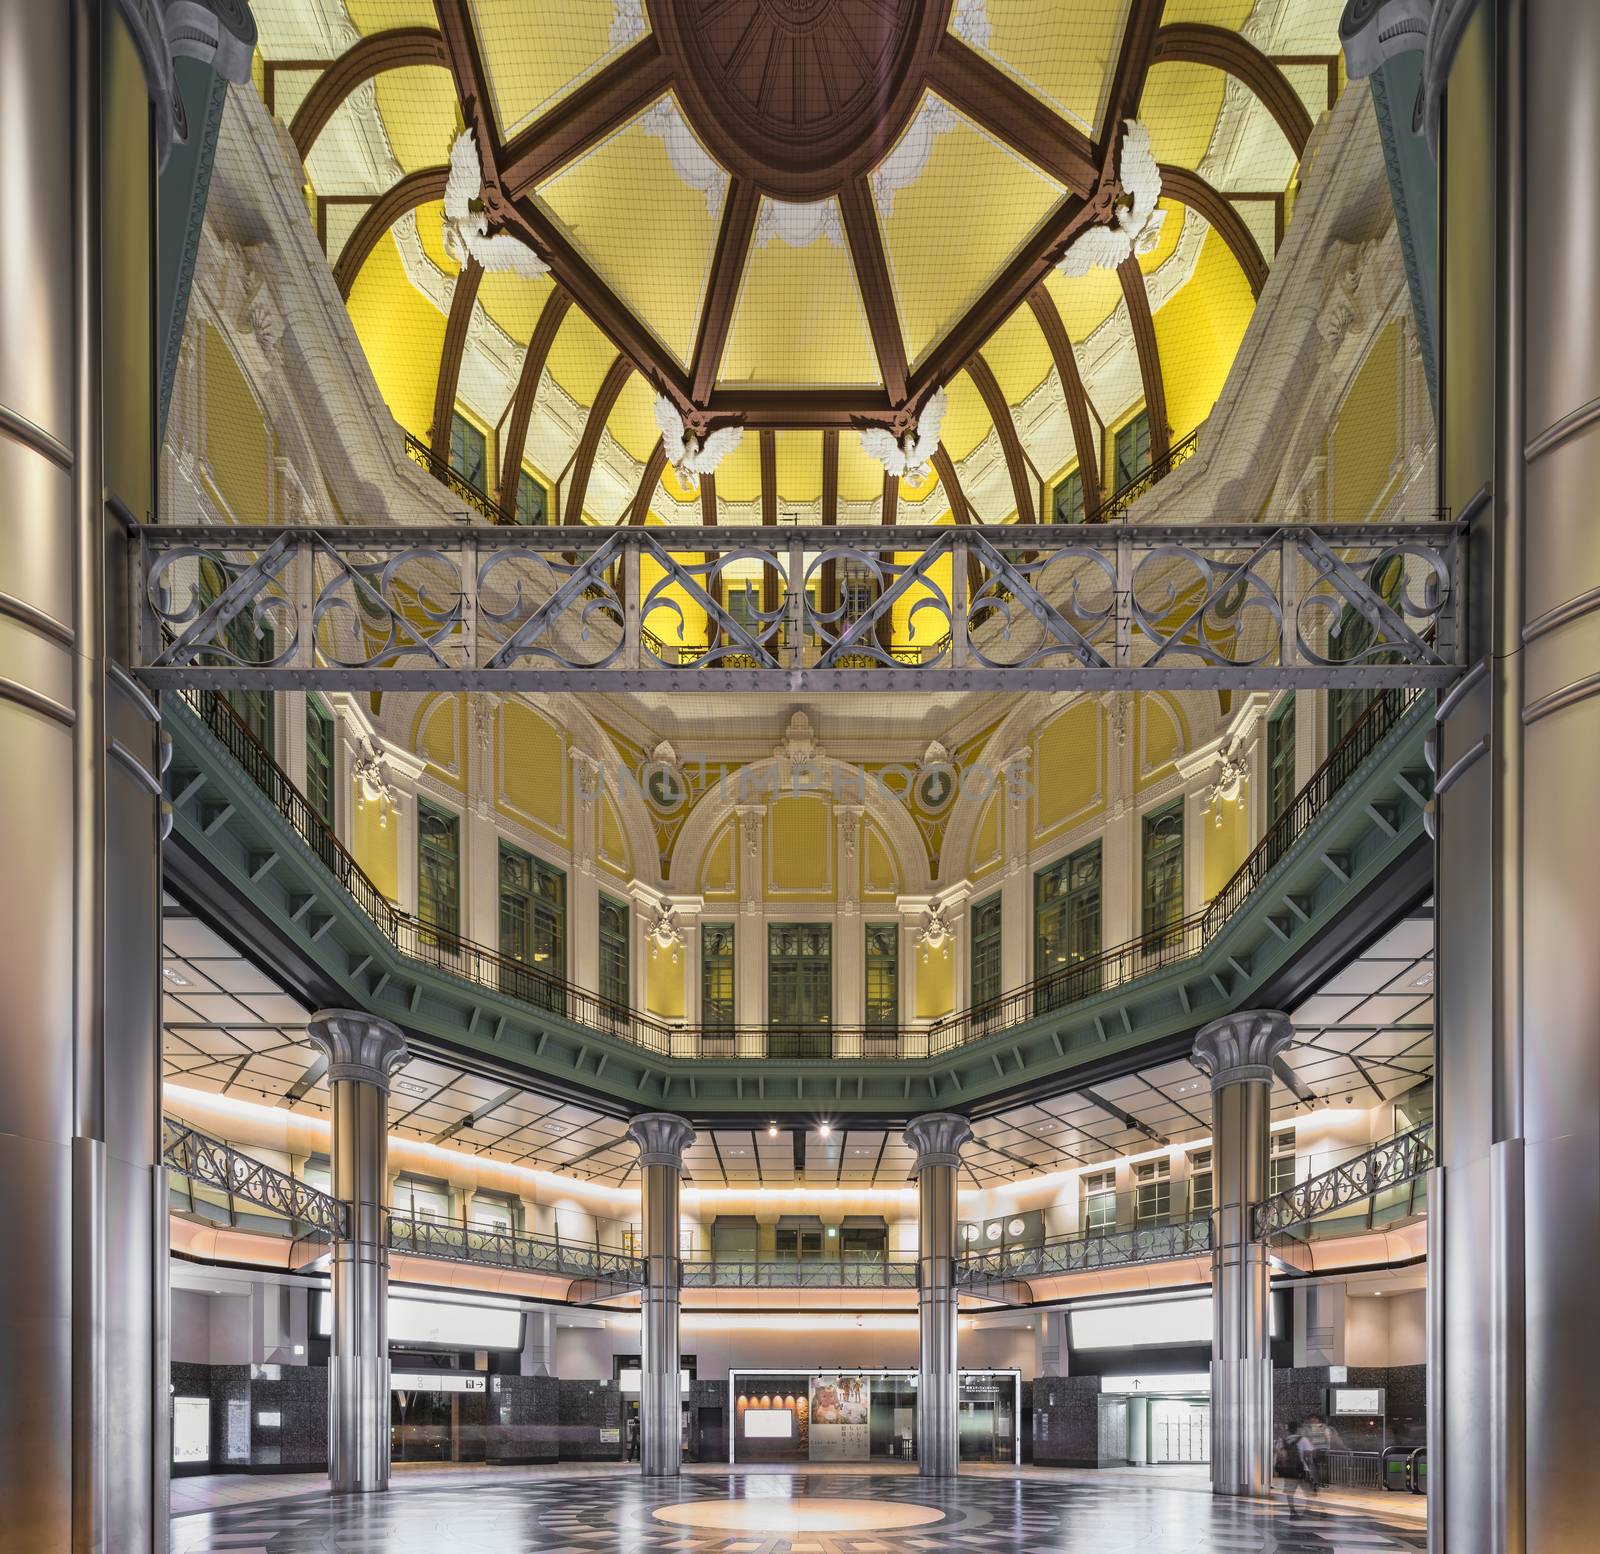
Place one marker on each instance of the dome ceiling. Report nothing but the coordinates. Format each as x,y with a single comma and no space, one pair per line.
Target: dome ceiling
795,214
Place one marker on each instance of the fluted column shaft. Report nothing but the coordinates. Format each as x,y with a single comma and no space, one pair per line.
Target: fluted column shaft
362,1054
662,1139
937,1139
1237,1053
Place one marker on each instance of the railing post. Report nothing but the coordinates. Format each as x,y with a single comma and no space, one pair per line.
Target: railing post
794,603
632,623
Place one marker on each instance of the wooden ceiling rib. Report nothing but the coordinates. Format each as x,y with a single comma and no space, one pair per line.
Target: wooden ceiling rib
994,400
1137,296
605,400
394,49
1127,80
624,89
722,291
877,291
1196,43
1061,352
551,317
1010,113
418,188
654,467
462,299
460,36
1189,188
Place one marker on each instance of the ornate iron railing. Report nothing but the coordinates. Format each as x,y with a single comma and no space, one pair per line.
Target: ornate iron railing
457,956
479,501
1086,1253
1043,607
1392,1163
804,1273
1189,936
216,1164
1115,507
484,1247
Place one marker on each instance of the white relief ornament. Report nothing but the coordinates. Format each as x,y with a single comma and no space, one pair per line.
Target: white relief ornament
372,784
936,932
969,21
689,158
903,166
1232,777
627,23
847,831
799,225
663,932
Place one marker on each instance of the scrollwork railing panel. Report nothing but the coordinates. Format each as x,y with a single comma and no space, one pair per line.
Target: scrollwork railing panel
1085,1254
488,1247
210,1161
1392,1163
939,608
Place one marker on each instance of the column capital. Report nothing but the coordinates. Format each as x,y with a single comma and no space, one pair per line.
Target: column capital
1240,1048
662,1138
937,1139
359,1045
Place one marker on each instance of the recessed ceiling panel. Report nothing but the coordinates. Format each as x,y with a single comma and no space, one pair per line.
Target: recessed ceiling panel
644,208
537,55
799,321
954,205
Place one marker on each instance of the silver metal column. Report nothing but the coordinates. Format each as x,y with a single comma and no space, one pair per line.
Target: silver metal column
662,1138
362,1053
937,1139
83,1284
1514,1206
1237,1053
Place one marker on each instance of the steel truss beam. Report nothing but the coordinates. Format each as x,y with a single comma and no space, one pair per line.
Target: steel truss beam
1040,607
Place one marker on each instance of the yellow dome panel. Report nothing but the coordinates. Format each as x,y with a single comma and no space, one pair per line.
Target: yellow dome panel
580,356
739,474
799,466
419,113
633,419
1064,55
799,321
369,16
954,205
966,418
1018,355
644,208
860,475
401,334
514,302
537,55
1180,107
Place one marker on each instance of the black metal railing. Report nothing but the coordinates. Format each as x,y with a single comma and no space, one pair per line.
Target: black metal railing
454,481
1187,937
1088,1251
214,1163
487,1247
449,952
1115,507
1393,1163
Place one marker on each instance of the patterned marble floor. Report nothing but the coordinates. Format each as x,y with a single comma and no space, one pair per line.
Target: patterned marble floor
614,1515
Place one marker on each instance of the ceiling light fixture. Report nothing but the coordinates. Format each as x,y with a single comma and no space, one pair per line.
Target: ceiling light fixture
772,1130
174,977
825,1130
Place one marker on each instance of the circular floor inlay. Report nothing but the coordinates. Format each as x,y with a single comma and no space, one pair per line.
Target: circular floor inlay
804,1515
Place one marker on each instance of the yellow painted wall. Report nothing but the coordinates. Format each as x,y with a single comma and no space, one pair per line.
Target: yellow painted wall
985,855
375,842
663,982
1069,768
1161,737
532,779
237,441
613,851
1198,331
719,876
1226,845
401,332
936,981
1364,444
800,849
438,735
880,879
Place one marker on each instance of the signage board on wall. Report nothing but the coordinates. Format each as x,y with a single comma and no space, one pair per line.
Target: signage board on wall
436,1381
769,1423
1356,1400
840,1418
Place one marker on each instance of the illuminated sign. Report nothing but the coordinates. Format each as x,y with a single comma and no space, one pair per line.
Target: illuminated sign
1357,1400
768,1423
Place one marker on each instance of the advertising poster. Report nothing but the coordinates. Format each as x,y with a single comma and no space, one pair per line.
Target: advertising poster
840,1419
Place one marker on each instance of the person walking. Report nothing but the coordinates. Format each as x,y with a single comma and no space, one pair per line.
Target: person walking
1292,1462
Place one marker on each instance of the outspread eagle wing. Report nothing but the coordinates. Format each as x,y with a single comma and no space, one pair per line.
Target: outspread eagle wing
671,424
465,181
1139,173
717,446
1098,248
882,445
928,425
504,252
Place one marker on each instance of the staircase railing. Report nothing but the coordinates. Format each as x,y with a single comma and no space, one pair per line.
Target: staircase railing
214,1163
